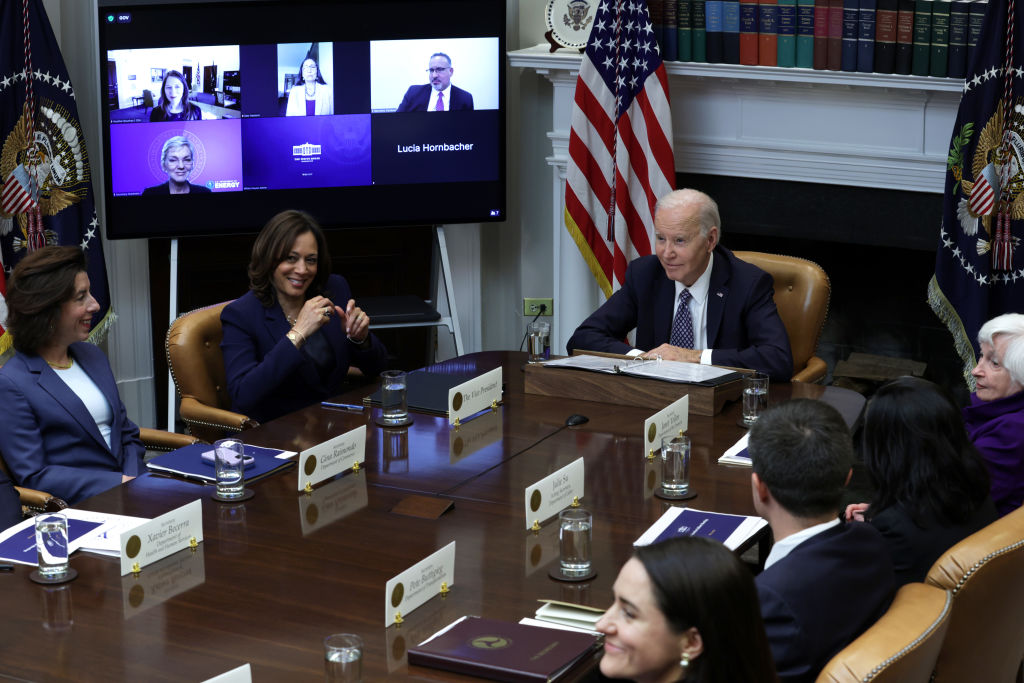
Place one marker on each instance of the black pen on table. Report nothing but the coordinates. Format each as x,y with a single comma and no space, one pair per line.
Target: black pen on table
347,407
6,567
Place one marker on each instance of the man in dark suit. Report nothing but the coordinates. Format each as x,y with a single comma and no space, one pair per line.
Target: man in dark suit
692,282
439,94
824,582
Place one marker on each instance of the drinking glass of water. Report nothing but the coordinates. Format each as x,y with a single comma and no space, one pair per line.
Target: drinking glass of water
575,533
229,461
755,396
675,466
393,397
52,545
343,658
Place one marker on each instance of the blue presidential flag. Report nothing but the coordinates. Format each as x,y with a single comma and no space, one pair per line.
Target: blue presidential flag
46,195
979,265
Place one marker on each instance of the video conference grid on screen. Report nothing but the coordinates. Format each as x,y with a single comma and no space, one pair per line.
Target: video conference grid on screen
231,118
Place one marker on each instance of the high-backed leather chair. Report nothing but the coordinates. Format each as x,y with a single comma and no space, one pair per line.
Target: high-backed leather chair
902,646
985,573
802,291
197,365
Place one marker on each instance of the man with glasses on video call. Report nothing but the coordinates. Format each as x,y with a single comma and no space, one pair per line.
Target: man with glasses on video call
439,94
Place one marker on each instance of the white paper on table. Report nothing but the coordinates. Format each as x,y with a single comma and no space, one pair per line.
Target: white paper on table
105,540
732,455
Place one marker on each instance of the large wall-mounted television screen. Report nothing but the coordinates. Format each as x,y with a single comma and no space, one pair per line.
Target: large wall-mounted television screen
217,115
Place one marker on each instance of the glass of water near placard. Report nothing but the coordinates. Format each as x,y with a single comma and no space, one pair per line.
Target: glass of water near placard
52,545
343,658
575,540
755,396
394,399
675,468
229,464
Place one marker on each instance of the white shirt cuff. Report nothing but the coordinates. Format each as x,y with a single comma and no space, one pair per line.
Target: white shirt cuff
705,357
634,353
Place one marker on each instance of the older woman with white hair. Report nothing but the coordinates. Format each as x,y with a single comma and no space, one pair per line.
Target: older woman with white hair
995,417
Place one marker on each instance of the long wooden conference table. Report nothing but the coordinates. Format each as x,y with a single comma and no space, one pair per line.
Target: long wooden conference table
278,573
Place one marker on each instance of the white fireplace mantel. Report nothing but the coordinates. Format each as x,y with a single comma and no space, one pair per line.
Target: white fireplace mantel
832,127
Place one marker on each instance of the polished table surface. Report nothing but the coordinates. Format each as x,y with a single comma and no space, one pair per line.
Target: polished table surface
279,572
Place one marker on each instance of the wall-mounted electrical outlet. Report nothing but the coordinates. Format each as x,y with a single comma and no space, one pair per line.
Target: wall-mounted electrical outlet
531,306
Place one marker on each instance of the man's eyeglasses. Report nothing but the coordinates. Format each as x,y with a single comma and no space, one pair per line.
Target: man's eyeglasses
437,69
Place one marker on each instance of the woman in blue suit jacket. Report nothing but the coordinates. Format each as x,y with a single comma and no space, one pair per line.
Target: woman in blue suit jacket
282,350
65,430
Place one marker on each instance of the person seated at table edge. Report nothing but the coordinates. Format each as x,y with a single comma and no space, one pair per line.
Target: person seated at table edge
287,342
685,608
824,582
10,504
692,300
931,486
995,416
65,430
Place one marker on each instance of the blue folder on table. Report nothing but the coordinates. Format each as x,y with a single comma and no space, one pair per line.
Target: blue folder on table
21,547
188,462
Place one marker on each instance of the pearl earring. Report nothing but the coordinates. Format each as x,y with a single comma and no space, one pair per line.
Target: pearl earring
684,661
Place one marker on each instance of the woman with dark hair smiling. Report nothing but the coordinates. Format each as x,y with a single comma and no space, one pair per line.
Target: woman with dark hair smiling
290,340
931,487
685,609
65,430
174,104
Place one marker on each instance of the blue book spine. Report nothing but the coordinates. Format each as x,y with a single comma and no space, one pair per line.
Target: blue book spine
731,31
851,12
866,36
713,19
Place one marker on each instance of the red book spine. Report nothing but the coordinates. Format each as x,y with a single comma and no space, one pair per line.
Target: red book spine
748,32
835,35
768,37
821,15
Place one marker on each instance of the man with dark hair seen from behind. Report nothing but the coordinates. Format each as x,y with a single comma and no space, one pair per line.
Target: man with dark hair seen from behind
824,582
439,94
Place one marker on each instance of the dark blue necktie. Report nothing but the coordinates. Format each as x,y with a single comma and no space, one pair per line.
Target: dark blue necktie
682,326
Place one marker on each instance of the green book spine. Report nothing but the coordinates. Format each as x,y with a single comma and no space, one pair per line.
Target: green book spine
922,37
805,34
785,49
938,59
698,29
685,30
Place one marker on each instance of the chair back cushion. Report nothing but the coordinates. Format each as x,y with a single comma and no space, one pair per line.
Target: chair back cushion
195,359
902,646
802,292
985,573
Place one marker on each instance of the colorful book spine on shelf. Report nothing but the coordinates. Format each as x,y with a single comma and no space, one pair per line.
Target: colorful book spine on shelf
786,50
713,25
835,35
698,26
938,59
748,32
805,34
851,25
959,16
684,31
904,36
820,34
731,31
866,36
975,20
922,37
886,16
656,8
768,32
670,48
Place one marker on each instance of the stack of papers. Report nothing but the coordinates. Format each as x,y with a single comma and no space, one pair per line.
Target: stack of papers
667,370
566,616
737,453
732,530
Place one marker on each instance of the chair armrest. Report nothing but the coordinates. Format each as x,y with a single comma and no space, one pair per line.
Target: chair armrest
39,501
159,440
814,372
192,410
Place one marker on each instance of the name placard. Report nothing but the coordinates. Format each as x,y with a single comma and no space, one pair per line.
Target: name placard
419,583
162,536
332,502
669,421
554,492
161,581
473,396
332,457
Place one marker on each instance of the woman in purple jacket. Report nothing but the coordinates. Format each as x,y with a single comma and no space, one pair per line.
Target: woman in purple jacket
995,417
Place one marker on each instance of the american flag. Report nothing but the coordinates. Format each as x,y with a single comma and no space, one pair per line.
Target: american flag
620,145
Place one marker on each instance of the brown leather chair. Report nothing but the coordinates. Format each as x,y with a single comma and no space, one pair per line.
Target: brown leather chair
985,573
802,291
197,365
902,646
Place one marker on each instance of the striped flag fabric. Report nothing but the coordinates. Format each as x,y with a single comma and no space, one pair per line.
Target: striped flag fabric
620,144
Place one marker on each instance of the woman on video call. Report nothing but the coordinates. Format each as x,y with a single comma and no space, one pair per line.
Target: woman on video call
177,159
174,104
312,96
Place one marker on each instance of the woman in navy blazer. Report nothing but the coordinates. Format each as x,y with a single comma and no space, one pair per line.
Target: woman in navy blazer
290,340
65,430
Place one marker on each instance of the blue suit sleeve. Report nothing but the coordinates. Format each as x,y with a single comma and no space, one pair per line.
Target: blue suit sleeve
768,349
21,441
10,505
607,327
407,100
785,636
